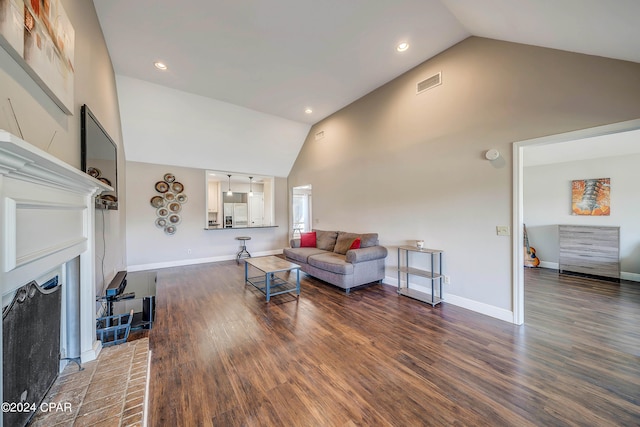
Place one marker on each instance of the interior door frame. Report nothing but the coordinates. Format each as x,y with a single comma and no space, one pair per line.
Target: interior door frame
308,190
518,199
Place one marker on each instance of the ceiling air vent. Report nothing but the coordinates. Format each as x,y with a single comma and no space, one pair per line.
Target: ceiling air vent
429,82
319,135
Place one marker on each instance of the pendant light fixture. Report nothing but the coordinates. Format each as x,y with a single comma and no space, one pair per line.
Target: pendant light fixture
229,193
250,186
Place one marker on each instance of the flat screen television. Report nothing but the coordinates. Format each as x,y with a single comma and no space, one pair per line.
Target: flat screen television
99,157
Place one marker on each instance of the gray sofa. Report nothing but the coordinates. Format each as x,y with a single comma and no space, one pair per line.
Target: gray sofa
333,261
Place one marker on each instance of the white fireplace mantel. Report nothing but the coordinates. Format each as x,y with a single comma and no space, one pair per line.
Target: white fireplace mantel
47,219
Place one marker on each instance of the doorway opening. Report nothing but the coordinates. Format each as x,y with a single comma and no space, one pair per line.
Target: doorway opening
301,210
519,149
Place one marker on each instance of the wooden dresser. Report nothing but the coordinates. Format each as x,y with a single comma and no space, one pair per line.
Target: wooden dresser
591,250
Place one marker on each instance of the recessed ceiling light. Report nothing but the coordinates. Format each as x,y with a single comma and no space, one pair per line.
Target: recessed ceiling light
402,47
160,65
308,110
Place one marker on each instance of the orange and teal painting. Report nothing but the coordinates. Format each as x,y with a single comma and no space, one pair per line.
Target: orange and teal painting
590,197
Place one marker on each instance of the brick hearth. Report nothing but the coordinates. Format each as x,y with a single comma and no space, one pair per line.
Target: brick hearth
109,391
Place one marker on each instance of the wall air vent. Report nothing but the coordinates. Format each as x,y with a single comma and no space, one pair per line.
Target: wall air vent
319,135
429,82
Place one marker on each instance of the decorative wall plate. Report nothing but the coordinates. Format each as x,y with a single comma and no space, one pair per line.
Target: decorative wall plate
94,172
162,187
168,204
105,180
177,187
157,201
175,207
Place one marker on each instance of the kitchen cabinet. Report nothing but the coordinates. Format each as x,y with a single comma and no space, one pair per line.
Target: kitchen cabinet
256,210
213,197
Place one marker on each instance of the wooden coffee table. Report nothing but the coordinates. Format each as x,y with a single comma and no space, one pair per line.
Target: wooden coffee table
269,283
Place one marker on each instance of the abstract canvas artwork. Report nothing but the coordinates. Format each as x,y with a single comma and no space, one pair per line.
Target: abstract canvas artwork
591,197
40,37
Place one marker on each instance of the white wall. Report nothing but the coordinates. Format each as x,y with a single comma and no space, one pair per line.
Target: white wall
168,126
148,247
547,203
44,125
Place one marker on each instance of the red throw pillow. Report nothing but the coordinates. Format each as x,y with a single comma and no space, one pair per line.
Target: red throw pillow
308,240
355,244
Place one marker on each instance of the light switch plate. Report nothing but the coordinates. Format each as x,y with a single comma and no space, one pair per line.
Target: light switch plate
503,230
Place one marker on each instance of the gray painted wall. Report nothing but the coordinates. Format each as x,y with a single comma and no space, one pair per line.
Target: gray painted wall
412,166
40,119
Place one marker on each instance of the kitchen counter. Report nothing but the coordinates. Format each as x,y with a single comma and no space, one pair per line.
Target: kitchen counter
220,227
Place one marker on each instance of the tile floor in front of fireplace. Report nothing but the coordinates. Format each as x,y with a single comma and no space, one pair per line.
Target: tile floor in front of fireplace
109,391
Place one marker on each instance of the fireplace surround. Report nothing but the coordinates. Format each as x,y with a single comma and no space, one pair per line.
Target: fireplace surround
36,191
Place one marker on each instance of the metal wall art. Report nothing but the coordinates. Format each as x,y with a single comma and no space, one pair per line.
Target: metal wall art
168,203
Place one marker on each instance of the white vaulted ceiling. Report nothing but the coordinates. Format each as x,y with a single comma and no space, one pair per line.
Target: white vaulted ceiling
273,59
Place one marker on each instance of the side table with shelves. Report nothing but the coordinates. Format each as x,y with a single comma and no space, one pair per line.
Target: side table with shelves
434,274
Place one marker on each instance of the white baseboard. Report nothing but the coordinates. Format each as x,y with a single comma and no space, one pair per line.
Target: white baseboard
92,354
183,262
547,264
634,277
478,307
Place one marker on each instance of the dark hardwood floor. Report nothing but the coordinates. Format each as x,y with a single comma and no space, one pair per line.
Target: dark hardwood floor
222,356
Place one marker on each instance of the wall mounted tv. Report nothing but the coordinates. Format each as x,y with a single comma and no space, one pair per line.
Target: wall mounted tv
99,157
